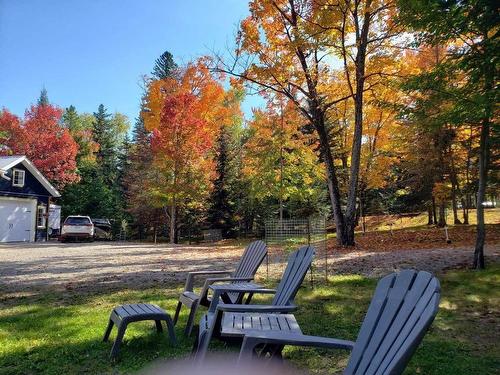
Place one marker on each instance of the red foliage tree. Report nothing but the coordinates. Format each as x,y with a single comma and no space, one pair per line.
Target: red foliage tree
40,137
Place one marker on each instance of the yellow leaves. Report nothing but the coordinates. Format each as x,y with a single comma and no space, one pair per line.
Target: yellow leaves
279,160
249,35
441,192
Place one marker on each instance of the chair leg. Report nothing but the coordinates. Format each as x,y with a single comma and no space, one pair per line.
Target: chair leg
108,331
118,341
171,332
249,298
190,322
159,328
177,311
204,338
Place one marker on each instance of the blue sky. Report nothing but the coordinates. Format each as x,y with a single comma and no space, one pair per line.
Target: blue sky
87,52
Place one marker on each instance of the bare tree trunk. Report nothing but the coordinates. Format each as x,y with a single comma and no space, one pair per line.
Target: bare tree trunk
455,188
173,214
456,220
333,184
484,156
434,210
481,194
155,228
465,211
362,43
430,220
442,216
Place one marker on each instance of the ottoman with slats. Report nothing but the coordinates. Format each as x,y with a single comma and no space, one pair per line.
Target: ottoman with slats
122,315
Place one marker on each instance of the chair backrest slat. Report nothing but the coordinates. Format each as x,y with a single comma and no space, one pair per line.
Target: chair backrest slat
420,293
401,310
411,339
296,269
251,259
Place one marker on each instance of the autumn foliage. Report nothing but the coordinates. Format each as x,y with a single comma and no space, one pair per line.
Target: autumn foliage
184,113
40,137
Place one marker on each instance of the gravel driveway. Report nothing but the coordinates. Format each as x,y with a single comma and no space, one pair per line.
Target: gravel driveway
33,268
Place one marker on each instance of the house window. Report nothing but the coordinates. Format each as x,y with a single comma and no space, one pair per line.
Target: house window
18,177
40,217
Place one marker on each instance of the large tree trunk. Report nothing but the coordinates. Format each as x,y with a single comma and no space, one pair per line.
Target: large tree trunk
333,184
484,155
430,217
362,43
481,194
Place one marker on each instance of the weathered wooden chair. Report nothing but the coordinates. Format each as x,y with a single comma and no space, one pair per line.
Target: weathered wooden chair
402,309
245,271
231,321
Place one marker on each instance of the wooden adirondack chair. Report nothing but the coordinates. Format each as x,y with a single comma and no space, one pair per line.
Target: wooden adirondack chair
221,317
402,309
245,271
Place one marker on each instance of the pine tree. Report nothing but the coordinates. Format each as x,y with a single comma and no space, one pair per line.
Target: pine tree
221,212
106,157
43,100
164,66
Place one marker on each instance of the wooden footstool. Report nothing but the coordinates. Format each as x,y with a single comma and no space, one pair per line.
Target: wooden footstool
121,316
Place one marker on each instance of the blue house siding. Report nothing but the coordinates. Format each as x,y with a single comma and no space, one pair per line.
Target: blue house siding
32,189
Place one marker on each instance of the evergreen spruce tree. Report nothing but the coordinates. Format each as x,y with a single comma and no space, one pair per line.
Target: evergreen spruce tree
165,66
106,156
222,210
44,98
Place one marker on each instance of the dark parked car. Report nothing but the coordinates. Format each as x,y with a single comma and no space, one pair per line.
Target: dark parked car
102,229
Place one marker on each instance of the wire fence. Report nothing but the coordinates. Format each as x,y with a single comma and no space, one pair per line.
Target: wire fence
284,236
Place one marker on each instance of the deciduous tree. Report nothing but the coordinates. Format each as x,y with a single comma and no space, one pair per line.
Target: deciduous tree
467,77
40,137
184,114
292,49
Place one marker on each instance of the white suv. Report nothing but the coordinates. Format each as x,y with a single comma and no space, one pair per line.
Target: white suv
77,227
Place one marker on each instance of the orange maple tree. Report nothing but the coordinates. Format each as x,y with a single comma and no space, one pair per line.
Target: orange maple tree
184,114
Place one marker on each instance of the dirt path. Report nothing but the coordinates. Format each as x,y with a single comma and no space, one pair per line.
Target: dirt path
36,268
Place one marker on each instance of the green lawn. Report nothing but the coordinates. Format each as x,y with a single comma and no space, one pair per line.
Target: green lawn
50,334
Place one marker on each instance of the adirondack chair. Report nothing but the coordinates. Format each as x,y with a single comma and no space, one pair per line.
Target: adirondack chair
221,317
402,309
245,271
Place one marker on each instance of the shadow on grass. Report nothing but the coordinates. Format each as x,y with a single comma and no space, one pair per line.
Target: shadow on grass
51,334
44,338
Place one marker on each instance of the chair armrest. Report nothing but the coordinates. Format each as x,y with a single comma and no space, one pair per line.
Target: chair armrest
234,288
219,290
226,307
254,338
192,275
213,280
195,273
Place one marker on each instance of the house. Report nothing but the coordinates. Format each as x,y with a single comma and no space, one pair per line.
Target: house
25,195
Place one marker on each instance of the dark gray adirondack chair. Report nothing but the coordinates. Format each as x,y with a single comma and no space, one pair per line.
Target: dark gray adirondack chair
221,317
402,309
245,271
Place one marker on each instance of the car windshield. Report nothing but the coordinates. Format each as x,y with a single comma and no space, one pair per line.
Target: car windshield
77,221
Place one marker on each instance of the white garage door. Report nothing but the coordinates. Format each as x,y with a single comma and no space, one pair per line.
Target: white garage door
17,219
